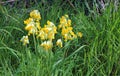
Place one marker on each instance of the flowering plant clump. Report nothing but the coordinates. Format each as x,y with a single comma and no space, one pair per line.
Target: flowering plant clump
46,34
67,29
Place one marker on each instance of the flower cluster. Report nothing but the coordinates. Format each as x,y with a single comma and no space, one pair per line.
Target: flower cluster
33,23
47,33
67,29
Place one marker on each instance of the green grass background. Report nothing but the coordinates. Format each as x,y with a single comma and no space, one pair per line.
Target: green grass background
97,53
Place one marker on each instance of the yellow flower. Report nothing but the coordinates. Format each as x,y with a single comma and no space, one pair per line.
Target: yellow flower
42,35
69,22
69,28
48,31
29,27
32,23
35,14
73,34
64,22
25,40
59,43
33,27
65,25
80,34
50,23
47,45
68,34
64,31
51,36
51,26
28,21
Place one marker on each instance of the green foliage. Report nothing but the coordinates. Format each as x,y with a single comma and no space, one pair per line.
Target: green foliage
97,53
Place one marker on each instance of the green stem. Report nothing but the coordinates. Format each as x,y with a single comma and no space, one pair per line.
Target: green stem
34,43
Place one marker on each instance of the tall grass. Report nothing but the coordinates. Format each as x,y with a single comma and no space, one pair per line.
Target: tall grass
97,53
